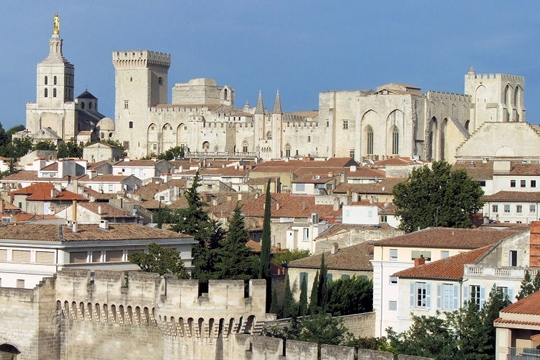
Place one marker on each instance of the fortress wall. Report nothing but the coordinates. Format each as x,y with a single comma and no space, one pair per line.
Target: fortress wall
361,325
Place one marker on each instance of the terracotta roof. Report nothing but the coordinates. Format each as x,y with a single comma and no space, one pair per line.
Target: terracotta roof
225,171
355,257
331,162
137,163
384,186
450,268
524,169
42,191
529,305
477,170
517,322
23,175
51,167
52,232
396,161
512,196
450,238
336,229
291,206
104,178
148,191
107,210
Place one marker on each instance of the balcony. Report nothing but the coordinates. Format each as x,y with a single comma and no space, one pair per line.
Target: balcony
523,354
499,272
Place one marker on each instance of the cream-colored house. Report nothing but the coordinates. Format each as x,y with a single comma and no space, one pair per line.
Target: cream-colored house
31,251
400,253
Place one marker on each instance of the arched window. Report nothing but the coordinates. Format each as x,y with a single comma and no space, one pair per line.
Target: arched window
288,150
269,135
46,93
55,80
90,105
225,94
369,140
82,105
244,146
46,80
54,92
395,140
467,124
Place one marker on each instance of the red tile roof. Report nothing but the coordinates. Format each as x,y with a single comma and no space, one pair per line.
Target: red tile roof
450,238
42,192
445,269
355,257
512,196
86,232
529,305
384,186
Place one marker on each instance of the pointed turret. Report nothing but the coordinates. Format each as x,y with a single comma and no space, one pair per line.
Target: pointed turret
259,109
277,105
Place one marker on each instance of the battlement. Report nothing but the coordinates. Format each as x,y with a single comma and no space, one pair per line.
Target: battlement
140,58
441,95
503,77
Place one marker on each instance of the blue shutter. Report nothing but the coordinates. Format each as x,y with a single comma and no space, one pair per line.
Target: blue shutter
465,294
439,295
428,296
511,294
482,296
412,295
456,297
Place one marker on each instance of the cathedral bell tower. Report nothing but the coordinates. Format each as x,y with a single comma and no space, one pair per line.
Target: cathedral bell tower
55,75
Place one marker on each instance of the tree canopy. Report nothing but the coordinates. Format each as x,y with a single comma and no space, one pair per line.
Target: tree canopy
437,196
160,260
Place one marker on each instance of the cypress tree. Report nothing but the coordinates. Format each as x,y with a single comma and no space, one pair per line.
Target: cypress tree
264,272
527,287
289,305
313,299
303,306
274,305
323,285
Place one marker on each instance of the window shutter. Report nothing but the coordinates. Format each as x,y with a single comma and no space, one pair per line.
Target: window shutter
456,297
439,295
412,294
465,294
482,296
511,294
428,296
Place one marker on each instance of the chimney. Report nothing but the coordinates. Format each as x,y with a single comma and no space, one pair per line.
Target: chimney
91,174
336,204
534,251
335,248
229,197
419,261
343,177
277,206
75,227
104,224
239,197
74,211
354,197
54,192
2,206
99,210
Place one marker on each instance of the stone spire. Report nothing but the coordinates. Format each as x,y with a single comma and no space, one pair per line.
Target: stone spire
259,109
277,105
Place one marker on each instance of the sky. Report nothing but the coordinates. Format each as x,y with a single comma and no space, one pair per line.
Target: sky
299,48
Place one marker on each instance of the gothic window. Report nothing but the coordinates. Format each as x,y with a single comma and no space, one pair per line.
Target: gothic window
46,93
54,92
467,124
225,94
55,80
369,140
131,124
288,150
269,135
206,145
245,146
160,80
395,140
46,80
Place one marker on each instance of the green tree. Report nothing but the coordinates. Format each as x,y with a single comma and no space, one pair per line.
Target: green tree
172,153
527,287
287,256
160,260
323,286
275,308
289,305
235,259
437,196
13,130
116,144
303,305
70,150
264,272
428,336
196,222
17,148
314,297
350,296
44,145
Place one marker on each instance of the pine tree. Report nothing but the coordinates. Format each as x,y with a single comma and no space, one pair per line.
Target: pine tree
314,299
264,272
235,260
536,282
196,222
527,287
303,305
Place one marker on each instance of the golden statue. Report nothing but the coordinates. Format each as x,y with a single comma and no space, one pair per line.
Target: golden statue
56,23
